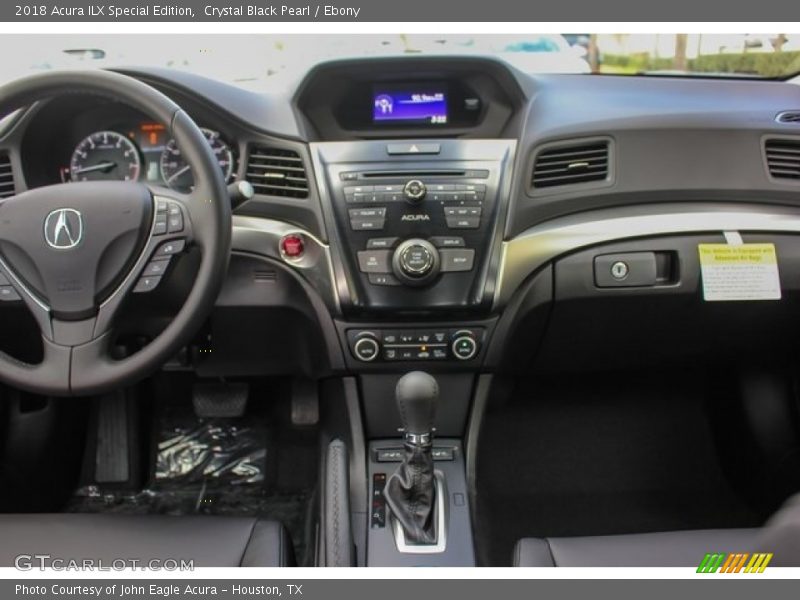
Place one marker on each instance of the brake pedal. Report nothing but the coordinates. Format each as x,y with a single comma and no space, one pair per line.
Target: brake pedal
220,400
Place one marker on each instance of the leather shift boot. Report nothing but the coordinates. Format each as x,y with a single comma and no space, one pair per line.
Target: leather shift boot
410,494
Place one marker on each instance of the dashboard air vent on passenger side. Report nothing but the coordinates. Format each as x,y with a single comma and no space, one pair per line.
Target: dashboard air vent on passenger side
277,172
571,163
6,176
783,158
789,116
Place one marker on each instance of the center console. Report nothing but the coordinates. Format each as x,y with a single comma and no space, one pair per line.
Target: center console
414,167
418,222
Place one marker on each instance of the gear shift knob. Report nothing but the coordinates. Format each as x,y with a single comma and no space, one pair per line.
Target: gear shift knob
416,394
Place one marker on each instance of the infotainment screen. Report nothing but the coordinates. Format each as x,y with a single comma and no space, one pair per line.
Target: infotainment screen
409,105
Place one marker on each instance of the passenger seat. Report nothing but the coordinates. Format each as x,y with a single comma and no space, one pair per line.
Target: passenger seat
780,536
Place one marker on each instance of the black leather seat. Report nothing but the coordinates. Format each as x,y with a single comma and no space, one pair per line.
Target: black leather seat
208,541
780,536
669,549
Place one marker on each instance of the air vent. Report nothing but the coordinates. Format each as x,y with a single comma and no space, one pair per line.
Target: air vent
277,172
783,158
569,164
789,116
6,176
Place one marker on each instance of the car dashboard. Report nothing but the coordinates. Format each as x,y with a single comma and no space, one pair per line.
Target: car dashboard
434,210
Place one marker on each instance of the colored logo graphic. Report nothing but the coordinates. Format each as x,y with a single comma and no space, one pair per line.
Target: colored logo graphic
742,562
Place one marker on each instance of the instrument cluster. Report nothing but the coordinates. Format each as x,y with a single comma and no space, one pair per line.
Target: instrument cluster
141,152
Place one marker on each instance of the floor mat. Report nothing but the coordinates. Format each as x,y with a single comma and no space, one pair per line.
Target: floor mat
572,457
220,466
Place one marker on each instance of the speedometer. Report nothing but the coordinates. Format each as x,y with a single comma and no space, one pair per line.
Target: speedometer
177,173
105,155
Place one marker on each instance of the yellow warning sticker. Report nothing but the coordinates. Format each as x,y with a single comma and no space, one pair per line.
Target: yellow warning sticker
739,272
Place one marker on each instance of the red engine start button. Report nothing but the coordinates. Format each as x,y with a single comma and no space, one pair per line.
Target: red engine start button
292,246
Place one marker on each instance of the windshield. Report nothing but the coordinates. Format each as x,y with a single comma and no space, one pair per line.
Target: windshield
273,61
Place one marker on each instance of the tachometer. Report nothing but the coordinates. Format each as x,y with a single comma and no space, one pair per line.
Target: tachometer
105,155
177,173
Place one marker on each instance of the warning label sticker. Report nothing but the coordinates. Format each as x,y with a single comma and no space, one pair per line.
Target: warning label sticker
739,272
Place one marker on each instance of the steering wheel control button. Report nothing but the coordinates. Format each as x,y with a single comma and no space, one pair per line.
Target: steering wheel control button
175,223
464,346
170,248
3,280
146,284
8,294
415,191
156,267
160,227
374,261
366,348
293,246
161,206
457,259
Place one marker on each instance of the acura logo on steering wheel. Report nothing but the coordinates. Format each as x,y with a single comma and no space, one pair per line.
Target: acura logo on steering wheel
63,228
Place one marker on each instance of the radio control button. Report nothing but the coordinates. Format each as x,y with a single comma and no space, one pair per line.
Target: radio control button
447,242
374,261
383,279
416,260
457,259
368,213
463,222
359,189
415,191
367,224
379,243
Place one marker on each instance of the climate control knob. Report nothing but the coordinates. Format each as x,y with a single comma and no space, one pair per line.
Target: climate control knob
464,346
415,191
416,261
366,348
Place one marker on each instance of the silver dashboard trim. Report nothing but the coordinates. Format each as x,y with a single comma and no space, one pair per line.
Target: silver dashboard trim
523,255
258,235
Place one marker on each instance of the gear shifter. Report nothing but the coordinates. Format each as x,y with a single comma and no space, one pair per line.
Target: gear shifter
410,491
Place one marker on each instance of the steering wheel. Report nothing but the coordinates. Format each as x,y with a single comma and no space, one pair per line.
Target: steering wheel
74,251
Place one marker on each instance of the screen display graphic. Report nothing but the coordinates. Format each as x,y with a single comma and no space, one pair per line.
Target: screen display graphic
410,106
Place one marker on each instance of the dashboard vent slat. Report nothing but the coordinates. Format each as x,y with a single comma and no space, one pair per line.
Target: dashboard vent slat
789,116
783,158
7,187
571,164
277,172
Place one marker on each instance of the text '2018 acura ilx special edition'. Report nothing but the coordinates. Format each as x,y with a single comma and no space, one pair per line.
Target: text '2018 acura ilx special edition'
399,301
